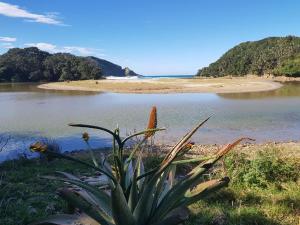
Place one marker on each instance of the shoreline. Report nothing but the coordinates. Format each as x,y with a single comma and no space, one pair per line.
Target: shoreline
165,86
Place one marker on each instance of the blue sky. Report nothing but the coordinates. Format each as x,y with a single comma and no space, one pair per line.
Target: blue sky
150,37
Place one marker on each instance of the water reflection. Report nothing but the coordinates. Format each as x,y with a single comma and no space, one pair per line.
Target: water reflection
289,89
265,116
32,87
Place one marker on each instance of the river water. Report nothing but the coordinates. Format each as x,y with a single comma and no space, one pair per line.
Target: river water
28,114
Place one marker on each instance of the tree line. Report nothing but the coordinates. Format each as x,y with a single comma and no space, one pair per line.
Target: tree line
32,65
273,55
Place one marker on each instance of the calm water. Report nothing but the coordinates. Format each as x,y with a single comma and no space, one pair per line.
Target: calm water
28,113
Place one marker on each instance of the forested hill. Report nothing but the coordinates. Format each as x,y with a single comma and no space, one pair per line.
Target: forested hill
273,55
32,64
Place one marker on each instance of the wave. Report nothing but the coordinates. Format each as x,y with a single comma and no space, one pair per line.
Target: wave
122,78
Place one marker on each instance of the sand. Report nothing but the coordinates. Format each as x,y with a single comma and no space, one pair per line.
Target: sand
196,85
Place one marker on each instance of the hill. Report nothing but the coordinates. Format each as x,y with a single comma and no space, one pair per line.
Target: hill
111,69
273,55
32,65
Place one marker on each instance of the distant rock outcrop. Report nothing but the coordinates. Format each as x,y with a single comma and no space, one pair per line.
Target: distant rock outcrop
111,69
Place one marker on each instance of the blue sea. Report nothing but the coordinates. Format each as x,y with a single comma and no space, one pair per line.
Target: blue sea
166,76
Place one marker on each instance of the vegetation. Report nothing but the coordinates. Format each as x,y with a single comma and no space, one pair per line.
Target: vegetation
125,194
289,67
32,65
118,188
26,198
274,55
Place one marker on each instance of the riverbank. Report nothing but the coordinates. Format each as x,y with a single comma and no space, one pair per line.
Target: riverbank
25,197
196,85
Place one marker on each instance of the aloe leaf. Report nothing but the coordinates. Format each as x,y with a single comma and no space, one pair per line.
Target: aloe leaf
63,156
177,192
117,137
132,153
203,190
139,171
67,175
161,187
128,174
194,160
121,212
92,155
102,198
66,219
144,206
171,176
176,149
147,174
89,208
133,195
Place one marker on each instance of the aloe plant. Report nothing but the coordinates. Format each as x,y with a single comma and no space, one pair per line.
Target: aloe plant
129,195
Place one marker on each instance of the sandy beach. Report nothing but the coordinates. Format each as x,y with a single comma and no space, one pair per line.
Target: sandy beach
203,85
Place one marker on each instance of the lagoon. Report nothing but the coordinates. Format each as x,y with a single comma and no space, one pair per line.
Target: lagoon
29,113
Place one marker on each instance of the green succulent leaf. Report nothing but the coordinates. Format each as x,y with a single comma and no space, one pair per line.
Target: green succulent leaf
76,199
120,209
133,195
101,197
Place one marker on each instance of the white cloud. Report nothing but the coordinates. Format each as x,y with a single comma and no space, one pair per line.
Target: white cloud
44,46
77,50
10,10
8,39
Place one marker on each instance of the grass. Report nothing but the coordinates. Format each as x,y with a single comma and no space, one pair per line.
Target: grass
24,197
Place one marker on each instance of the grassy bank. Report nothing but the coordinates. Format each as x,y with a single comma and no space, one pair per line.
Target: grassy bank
264,188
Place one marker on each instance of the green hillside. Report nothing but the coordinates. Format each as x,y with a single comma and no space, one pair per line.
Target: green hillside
32,65
273,55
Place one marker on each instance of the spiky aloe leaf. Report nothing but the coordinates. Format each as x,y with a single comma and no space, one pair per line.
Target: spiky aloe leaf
161,187
193,160
178,147
101,197
203,190
139,171
144,207
129,175
63,156
76,200
67,219
67,175
120,209
133,195
175,194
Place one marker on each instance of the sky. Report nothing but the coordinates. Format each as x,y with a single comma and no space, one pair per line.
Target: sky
151,37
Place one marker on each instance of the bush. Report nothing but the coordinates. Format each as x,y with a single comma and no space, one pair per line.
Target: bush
265,168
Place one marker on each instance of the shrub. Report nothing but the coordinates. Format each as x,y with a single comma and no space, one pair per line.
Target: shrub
264,168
